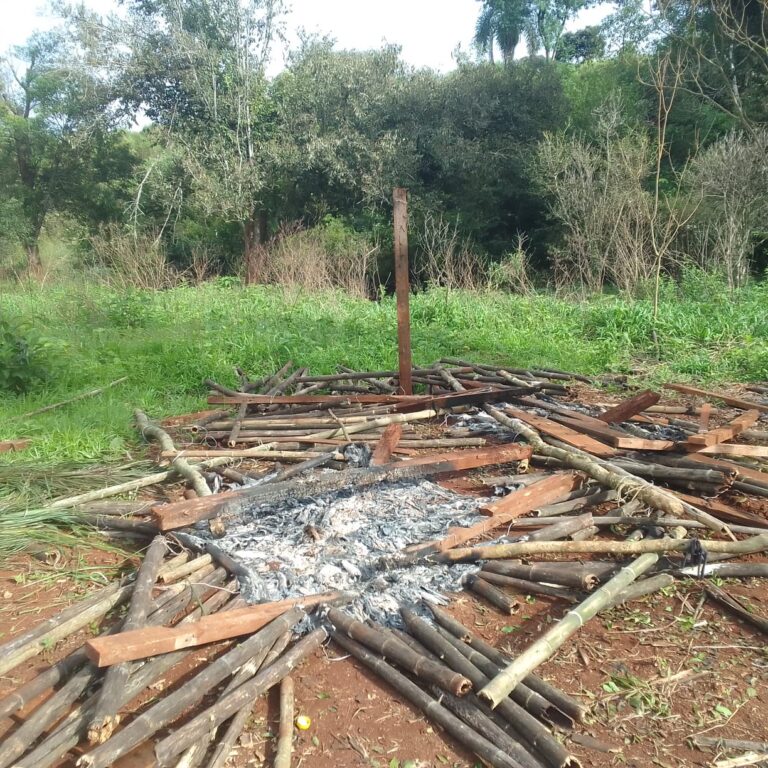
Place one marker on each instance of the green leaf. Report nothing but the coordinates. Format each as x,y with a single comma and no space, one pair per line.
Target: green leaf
323,695
394,763
316,741
752,693
509,630
721,709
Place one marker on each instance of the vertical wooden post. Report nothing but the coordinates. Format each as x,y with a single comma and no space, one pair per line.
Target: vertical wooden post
403,290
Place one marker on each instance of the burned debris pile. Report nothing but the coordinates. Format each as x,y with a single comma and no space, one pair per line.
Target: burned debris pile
336,507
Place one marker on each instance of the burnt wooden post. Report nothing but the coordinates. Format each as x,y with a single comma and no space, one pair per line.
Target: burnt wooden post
403,289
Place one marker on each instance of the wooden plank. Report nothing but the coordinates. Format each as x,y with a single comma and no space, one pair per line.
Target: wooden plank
630,407
736,402
150,641
180,514
402,289
564,433
705,414
382,454
6,446
726,432
505,510
545,491
724,511
454,399
734,449
616,439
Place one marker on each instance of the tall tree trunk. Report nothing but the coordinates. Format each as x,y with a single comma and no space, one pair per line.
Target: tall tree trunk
255,239
34,263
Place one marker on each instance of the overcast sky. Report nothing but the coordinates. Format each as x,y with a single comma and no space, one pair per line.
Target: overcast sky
427,30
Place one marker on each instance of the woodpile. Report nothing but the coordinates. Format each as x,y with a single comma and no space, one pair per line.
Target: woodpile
600,505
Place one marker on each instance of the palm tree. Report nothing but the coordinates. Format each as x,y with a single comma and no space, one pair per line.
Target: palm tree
501,22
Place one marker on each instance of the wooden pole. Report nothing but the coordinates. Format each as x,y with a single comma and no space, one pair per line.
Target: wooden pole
403,289
285,737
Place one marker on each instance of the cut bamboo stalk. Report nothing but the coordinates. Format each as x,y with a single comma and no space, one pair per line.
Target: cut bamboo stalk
477,715
494,596
560,699
238,722
641,589
104,718
532,733
585,502
728,570
182,467
68,613
432,708
92,612
184,569
423,668
176,703
195,753
579,578
69,733
449,650
506,551
548,644
237,425
531,587
285,732
228,705
141,643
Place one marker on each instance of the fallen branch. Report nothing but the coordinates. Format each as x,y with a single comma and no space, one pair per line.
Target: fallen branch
734,605
84,395
182,466
285,733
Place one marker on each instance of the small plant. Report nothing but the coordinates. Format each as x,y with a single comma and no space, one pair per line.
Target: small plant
25,357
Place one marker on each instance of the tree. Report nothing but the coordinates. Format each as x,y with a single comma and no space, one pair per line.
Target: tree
580,46
197,68
546,23
57,139
501,22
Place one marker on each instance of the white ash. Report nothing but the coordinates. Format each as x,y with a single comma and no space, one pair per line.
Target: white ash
309,546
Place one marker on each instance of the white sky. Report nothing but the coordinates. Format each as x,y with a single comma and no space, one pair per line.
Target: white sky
427,30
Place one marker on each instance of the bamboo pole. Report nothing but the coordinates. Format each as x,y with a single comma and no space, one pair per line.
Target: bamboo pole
531,587
182,466
172,706
104,719
432,708
641,589
578,578
547,645
237,723
560,699
285,734
505,551
420,666
92,612
69,733
245,694
494,596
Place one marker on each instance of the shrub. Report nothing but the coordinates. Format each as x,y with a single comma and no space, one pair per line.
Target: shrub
25,357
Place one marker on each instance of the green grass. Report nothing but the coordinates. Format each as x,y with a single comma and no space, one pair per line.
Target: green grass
168,342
